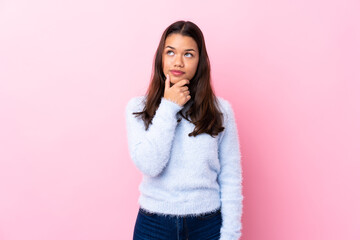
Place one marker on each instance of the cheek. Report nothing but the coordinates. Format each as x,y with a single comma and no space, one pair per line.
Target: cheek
194,67
165,64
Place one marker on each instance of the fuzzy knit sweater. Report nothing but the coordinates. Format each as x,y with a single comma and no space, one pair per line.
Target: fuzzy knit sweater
185,175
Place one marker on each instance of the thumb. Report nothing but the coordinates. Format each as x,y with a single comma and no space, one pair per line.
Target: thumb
167,82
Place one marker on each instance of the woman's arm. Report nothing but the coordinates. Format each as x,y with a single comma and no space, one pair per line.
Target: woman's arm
150,150
230,178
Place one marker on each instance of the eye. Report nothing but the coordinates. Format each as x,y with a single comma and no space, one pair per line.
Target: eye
189,53
168,52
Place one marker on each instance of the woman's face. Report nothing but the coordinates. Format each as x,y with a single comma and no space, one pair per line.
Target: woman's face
180,53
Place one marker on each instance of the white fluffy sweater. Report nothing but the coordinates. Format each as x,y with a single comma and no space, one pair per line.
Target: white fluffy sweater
187,175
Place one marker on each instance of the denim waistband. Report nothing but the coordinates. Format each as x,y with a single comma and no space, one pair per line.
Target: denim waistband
205,214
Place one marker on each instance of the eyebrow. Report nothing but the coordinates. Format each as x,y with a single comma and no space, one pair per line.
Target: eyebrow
190,49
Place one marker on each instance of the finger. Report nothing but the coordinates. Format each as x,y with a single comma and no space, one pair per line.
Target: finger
184,88
183,82
167,82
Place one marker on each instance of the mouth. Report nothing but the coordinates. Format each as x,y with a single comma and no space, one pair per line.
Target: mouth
177,73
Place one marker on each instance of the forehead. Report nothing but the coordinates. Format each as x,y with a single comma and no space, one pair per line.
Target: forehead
179,41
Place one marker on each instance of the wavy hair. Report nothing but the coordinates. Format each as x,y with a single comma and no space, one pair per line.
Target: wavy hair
203,107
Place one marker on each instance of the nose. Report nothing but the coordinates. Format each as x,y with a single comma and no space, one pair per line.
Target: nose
178,61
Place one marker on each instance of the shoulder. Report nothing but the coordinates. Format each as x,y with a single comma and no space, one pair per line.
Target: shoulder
223,102
224,105
135,103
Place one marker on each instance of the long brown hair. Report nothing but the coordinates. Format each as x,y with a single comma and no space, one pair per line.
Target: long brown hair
203,106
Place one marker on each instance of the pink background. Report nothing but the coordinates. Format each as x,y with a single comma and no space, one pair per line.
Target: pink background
67,68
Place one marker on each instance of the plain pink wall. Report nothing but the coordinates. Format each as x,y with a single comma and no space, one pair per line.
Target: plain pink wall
67,69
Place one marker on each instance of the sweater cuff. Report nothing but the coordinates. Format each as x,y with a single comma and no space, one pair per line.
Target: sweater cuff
166,106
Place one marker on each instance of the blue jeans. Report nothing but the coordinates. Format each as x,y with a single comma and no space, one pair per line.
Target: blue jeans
151,226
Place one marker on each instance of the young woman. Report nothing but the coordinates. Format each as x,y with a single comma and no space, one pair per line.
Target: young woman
184,140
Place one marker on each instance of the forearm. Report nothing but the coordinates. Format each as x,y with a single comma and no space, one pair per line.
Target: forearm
150,149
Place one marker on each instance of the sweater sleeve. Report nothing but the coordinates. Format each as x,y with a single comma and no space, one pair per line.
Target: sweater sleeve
230,178
150,149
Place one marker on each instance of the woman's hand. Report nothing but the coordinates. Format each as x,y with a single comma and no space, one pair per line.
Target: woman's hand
178,93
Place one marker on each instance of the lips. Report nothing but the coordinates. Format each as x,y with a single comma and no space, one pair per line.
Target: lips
176,72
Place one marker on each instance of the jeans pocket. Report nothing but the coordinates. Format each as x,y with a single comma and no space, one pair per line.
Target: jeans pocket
146,213
209,215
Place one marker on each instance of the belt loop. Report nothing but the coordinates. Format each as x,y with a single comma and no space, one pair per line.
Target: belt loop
177,228
186,230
